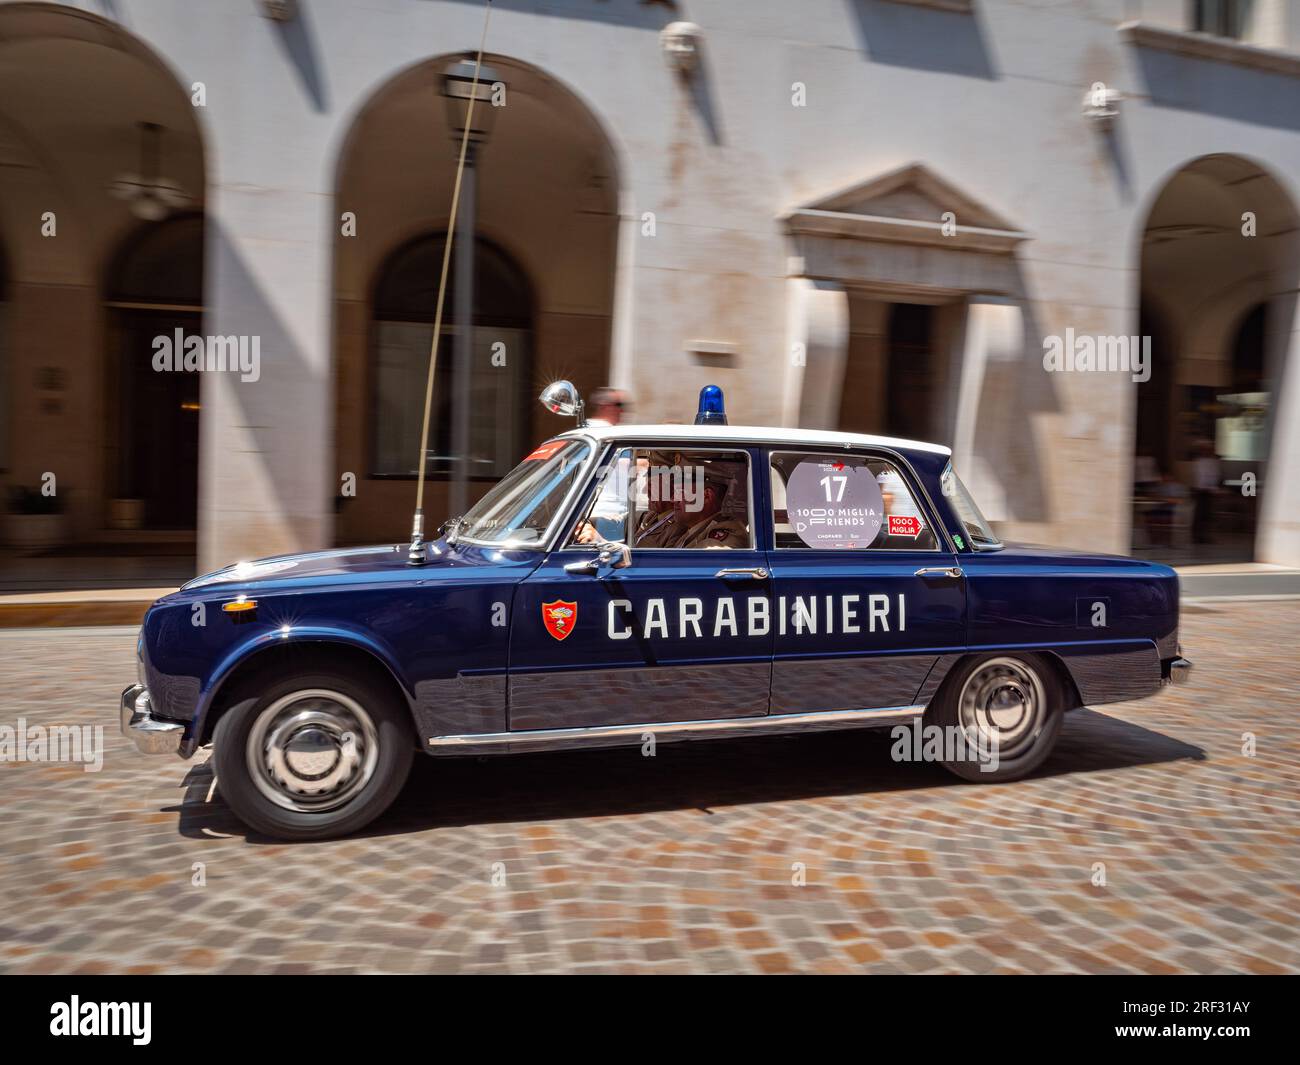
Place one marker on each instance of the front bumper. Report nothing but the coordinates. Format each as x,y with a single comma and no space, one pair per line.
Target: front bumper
1177,671
151,735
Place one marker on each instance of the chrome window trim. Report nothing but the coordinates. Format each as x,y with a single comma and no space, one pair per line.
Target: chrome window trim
771,721
912,480
997,544
749,503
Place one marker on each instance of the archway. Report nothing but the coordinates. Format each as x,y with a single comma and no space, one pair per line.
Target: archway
98,139
547,217
1217,299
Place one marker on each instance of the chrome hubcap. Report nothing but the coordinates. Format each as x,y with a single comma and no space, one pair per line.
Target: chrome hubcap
1003,703
312,750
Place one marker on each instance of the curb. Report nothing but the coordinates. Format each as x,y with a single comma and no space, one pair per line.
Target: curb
1273,585
64,609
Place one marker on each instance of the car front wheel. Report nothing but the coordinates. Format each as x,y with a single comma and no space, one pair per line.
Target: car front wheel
313,756
1004,710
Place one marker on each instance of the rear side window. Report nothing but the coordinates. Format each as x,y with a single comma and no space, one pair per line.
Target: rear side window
839,502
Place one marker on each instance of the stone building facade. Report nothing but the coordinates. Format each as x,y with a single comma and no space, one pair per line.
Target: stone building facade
866,214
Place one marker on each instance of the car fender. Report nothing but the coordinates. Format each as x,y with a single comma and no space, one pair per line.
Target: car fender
239,654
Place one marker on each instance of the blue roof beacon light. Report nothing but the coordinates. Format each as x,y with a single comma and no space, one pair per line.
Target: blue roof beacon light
711,411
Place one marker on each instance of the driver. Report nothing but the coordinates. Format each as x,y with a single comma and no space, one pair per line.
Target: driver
661,522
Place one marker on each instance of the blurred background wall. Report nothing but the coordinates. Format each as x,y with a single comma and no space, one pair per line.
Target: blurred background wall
863,214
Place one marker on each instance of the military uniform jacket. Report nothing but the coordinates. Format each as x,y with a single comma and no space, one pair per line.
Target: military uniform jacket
717,531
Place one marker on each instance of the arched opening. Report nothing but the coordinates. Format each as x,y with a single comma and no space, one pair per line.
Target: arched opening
102,149
545,236
402,331
1217,299
154,295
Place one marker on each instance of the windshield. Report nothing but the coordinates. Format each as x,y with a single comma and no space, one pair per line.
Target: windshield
522,506
975,524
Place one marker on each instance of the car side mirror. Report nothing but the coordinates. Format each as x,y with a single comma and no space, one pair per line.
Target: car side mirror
618,556
608,553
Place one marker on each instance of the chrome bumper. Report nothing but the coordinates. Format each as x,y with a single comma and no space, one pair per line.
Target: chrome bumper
151,735
1179,670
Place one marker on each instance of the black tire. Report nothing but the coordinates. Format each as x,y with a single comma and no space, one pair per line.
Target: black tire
296,719
1001,684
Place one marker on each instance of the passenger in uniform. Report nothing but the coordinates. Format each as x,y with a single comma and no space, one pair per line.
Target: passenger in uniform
710,527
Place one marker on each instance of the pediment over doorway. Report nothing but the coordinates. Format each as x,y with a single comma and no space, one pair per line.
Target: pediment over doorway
907,206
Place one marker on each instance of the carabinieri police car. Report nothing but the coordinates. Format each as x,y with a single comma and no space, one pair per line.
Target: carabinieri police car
687,581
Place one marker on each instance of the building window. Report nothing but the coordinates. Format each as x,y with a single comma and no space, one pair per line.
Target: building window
402,332
1223,18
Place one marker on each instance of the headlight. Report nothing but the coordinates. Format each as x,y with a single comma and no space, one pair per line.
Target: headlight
139,659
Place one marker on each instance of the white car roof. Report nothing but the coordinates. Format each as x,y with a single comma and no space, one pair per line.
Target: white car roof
751,434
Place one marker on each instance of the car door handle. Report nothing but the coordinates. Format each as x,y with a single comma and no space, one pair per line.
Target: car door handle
755,574
938,571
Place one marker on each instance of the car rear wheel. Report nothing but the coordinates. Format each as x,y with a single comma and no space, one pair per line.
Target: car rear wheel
1006,713
314,755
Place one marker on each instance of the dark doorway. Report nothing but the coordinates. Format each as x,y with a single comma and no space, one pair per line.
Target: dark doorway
910,391
158,434
155,291
1155,398
4,364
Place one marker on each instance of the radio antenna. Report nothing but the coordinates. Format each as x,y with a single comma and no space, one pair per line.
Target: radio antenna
415,555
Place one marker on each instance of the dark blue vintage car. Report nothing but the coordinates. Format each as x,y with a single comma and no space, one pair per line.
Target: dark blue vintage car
674,581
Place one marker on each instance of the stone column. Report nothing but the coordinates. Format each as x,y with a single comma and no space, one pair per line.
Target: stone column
622,345
866,371
266,451
1278,537
994,336
817,333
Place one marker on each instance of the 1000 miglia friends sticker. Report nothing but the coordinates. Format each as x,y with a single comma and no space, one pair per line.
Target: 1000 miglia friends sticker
834,505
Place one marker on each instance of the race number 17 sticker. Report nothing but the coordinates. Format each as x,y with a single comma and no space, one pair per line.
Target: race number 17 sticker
834,505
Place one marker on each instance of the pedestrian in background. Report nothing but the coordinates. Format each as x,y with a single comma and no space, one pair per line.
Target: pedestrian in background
1206,481
607,406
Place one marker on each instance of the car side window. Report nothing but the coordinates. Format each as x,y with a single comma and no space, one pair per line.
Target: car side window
671,498
837,501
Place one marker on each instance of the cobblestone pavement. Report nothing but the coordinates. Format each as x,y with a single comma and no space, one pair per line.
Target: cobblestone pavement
689,861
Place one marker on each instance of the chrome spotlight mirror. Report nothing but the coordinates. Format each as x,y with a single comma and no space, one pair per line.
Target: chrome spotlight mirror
619,556
561,397
608,554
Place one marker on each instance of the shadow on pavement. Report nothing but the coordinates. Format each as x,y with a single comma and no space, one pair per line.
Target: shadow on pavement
702,775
